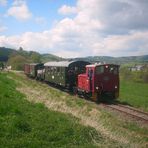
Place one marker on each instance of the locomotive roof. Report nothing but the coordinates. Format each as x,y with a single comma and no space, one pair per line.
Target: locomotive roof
61,63
94,65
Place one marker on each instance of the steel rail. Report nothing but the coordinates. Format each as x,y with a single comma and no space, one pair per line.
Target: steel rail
134,109
118,108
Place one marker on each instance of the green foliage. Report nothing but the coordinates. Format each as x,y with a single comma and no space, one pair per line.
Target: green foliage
125,73
23,124
1,65
35,57
17,62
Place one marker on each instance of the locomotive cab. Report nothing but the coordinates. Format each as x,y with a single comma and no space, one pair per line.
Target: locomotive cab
99,80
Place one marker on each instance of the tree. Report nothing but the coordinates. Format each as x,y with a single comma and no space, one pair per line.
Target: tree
17,62
20,49
35,57
1,65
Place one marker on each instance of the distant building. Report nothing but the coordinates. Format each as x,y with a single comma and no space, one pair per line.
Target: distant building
137,67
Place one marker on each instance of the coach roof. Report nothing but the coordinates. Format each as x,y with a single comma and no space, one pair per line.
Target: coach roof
63,63
59,64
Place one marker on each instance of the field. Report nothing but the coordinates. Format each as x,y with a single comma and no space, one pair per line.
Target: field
134,94
33,114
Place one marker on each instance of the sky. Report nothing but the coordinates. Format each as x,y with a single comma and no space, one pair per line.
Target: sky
76,28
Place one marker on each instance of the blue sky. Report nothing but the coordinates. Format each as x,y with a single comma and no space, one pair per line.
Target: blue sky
76,28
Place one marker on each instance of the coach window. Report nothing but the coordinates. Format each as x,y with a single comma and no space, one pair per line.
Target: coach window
48,70
90,73
55,69
58,69
51,70
62,70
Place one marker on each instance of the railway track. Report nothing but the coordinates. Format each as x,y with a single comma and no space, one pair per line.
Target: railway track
129,111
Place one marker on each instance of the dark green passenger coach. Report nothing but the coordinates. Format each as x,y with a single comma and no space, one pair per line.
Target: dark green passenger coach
64,73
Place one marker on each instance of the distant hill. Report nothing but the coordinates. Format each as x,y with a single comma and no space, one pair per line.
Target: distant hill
7,53
116,60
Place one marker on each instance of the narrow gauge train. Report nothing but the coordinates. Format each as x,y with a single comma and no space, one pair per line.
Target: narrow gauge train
81,77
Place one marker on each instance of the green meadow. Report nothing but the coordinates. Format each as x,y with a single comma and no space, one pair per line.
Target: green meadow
134,88
134,94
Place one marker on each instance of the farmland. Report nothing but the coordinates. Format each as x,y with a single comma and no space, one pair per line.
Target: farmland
34,114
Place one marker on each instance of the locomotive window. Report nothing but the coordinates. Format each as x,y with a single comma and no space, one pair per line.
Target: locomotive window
113,69
90,73
99,69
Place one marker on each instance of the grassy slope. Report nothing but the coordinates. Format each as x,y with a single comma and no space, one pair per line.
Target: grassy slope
134,94
24,124
115,131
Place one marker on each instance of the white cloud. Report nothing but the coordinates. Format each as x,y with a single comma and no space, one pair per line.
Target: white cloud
19,10
3,2
66,10
100,27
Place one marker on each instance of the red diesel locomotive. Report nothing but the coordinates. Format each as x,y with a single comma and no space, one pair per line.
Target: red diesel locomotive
99,79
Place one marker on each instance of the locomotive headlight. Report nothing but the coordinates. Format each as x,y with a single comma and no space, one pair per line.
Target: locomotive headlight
97,88
116,86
